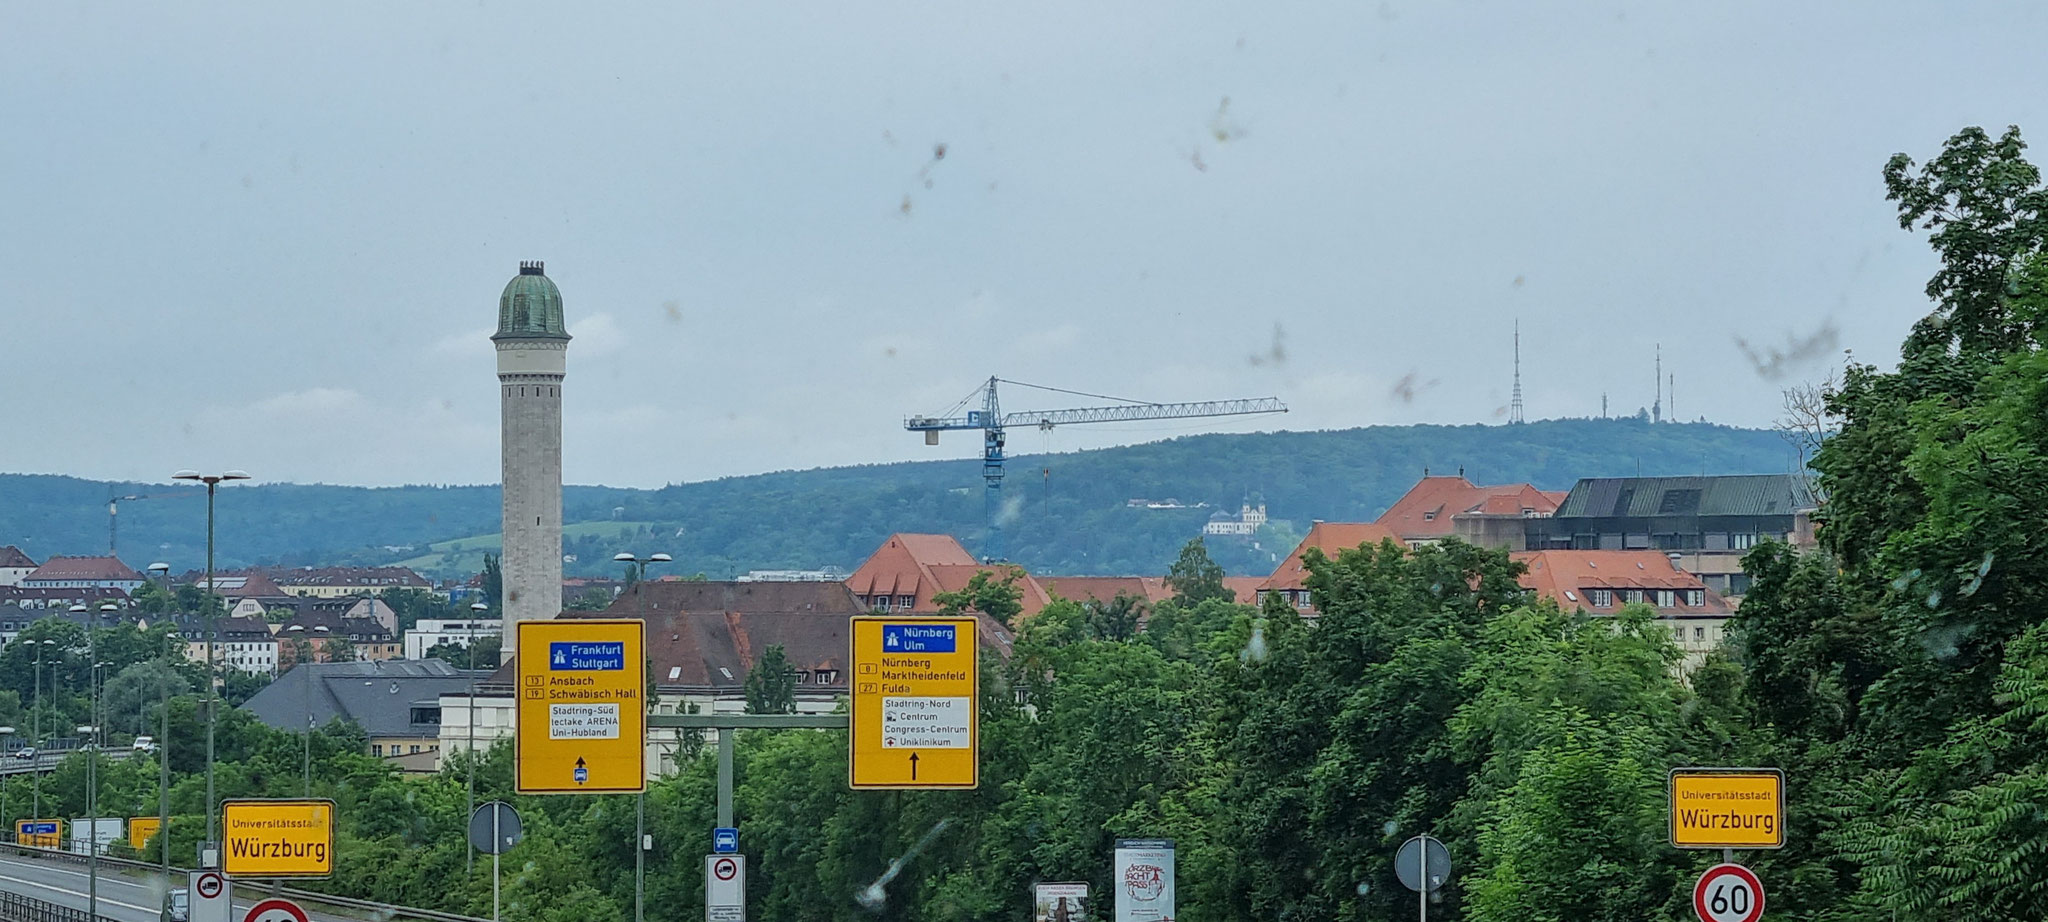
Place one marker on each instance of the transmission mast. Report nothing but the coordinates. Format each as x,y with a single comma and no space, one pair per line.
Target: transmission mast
1515,407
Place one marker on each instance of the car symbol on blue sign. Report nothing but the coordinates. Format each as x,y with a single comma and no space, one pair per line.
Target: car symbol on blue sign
725,840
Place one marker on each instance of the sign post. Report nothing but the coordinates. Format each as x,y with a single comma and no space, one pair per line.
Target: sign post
1727,808
1728,893
916,710
278,838
39,833
1059,902
582,720
276,910
725,888
1423,864
208,897
1144,880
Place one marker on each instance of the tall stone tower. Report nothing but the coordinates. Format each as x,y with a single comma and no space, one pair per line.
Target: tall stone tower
533,346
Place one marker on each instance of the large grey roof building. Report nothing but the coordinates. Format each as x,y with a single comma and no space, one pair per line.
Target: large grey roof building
396,702
1708,523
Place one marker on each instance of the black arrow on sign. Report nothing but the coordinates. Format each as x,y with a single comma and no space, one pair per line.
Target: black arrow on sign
913,766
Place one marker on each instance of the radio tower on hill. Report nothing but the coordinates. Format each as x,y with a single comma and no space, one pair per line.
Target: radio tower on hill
1515,405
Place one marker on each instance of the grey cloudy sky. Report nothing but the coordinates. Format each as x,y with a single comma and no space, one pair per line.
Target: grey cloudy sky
272,237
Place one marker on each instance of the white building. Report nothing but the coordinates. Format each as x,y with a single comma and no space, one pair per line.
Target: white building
15,566
1243,525
430,633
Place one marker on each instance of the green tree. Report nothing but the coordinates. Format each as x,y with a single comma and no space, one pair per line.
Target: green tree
493,586
771,685
1194,578
996,596
338,650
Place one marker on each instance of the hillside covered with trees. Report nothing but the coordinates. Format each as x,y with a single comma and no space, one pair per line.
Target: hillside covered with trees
1897,674
1069,513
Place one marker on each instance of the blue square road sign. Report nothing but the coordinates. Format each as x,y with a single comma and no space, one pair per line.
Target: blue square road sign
725,840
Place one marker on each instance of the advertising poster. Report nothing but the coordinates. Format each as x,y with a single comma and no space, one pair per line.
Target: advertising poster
1063,902
1144,880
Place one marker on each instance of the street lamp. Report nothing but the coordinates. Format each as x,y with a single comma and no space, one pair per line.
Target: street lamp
5,733
163,740
640,799
36,764
476,611
212,481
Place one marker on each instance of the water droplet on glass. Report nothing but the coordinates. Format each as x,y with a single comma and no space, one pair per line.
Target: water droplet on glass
1390,828
1364,888
1984,569
1934,599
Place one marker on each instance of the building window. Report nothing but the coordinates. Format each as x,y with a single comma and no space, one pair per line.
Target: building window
1696,597
1631,596
377,749
1741,542
906,602
828,676
1601,598
1699,633
415,747
1666,598
1429,516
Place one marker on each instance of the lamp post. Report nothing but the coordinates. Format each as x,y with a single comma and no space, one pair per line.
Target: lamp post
5,733
163,740
36,764
212,481
476,611
640,799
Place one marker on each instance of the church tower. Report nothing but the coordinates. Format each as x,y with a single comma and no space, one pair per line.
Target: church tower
532,349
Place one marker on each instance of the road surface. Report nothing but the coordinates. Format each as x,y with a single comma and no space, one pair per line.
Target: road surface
126,894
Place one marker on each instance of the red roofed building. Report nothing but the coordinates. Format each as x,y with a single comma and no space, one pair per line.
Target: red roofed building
908,570
83,573
1439,507
1600,582
1106,588
1290,578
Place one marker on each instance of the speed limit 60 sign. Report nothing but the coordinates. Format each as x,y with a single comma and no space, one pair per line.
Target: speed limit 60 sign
1728,893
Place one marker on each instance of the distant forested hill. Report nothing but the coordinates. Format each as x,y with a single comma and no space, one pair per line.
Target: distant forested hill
1069,512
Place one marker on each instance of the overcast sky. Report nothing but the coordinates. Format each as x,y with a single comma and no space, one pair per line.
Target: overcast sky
272,236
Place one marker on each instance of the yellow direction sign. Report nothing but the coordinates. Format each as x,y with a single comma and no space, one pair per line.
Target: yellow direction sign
277,838
916,691
582,711
1727,808
40,833
140,830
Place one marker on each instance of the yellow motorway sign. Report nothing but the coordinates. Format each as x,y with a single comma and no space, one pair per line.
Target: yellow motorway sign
40,833
140,829
916,714
277,838
1727,808
582,725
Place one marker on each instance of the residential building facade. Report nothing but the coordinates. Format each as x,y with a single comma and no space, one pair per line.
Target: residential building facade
430,633
1710,522
15,566
83,573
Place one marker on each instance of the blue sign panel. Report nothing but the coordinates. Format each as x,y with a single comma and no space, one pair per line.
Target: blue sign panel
917,638
39,829
725,840
586,657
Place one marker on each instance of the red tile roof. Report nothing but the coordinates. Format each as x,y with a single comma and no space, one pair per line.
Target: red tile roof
83,568
1429,508
1106,588
1246,588
921,566
1330,538
11,558
1566,577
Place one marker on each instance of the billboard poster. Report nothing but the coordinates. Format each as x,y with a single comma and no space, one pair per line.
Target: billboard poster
1062,902
1144,880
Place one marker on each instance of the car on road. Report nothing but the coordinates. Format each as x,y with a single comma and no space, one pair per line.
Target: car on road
145,744
25,753
177,905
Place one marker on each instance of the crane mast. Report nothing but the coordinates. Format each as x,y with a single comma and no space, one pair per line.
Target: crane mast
992,422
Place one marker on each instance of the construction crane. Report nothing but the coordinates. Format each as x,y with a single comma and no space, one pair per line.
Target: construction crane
114,509
991,420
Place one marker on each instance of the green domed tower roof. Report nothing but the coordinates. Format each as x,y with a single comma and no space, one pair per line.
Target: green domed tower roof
531,307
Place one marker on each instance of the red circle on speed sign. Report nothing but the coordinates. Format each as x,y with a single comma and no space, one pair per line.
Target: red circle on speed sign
1728,893
209,885
725,868
276,911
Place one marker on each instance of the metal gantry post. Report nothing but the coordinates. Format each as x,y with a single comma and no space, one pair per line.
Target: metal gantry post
640,799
